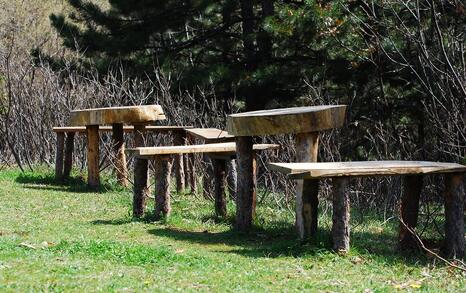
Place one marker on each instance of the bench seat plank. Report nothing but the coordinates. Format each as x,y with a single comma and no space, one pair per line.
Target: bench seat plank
363,168
210,134
228,147
126,128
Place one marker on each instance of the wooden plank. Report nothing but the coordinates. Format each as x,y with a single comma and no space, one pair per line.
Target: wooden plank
126,128
363,168
286,120
227,147
211,134
106,116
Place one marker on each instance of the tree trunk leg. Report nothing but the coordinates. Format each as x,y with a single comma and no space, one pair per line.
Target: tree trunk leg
59,156
454,215
141,186
207,180
341,215
163,167
93,177
220,183
412,186
69,149
232,179
191,166
307,201
179,164
246,192
119,153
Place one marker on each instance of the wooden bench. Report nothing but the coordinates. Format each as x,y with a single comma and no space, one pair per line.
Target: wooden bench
161,156
66,135
340,172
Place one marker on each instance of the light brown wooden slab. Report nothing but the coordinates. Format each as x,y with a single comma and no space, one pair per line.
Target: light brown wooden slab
126,128
227,147
210,134
125,115
286,120
366,168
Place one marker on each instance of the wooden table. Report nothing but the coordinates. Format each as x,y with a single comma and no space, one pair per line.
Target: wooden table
139,116
306,123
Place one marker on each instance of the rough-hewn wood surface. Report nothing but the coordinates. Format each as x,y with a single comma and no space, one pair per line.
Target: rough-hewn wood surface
210,134
286,120
307,190
246,192
126,128
366,168
232,178
108,116
341,215
163,166
141,186
119,154
93,178
227,147
191,167
219,167
412,186
69,148
179,139
59,156
454,215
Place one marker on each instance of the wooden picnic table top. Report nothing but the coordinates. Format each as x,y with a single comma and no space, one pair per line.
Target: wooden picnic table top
286,120
364,168
126,128
226,147
111,115
210,134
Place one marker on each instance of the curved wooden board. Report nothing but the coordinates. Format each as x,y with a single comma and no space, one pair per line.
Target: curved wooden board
125,115
286,120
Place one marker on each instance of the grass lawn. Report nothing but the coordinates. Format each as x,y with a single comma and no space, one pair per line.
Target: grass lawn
65,238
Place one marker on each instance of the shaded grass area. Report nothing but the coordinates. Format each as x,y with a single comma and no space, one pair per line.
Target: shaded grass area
64,237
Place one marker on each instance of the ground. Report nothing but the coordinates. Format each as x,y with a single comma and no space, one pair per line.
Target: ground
66,238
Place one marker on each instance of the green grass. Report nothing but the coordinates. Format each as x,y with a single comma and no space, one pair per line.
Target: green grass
57,237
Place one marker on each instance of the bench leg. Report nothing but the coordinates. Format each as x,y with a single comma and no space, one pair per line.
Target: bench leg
307,201
246,193
207,185
163,167
93,178
412,185
454,215
141,186
179,164
59,156
119,153
341,215
232,179
190,167
69,148
220,183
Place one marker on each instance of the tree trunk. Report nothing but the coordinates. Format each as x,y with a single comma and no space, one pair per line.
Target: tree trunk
191,164
454,215
220,183
207,180
412,186
232,179
341,215
141,186
163,166
179,164
119,153
307,201
69,149
93,177
246,193
59,156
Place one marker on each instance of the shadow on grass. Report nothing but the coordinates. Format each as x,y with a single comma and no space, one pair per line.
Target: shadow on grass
72,184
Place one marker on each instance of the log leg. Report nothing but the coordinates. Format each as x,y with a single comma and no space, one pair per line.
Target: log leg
191,166
412,186
220,183
207,180
69,148
163,167
246,192
141,186
307,201
59,156
119,153
93,178
454,215
341,215
179,164
232,179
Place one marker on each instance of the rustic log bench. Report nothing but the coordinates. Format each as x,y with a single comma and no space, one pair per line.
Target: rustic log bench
161,156
340,172
66,135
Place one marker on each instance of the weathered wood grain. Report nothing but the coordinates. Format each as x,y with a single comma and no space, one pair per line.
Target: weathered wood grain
412,186
93,178
341,215
59,156
179,139
454,215
141,186
163,165
119,153
210,134
108,116
69,149
219,167
126,128
191,167
286,120
365,168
